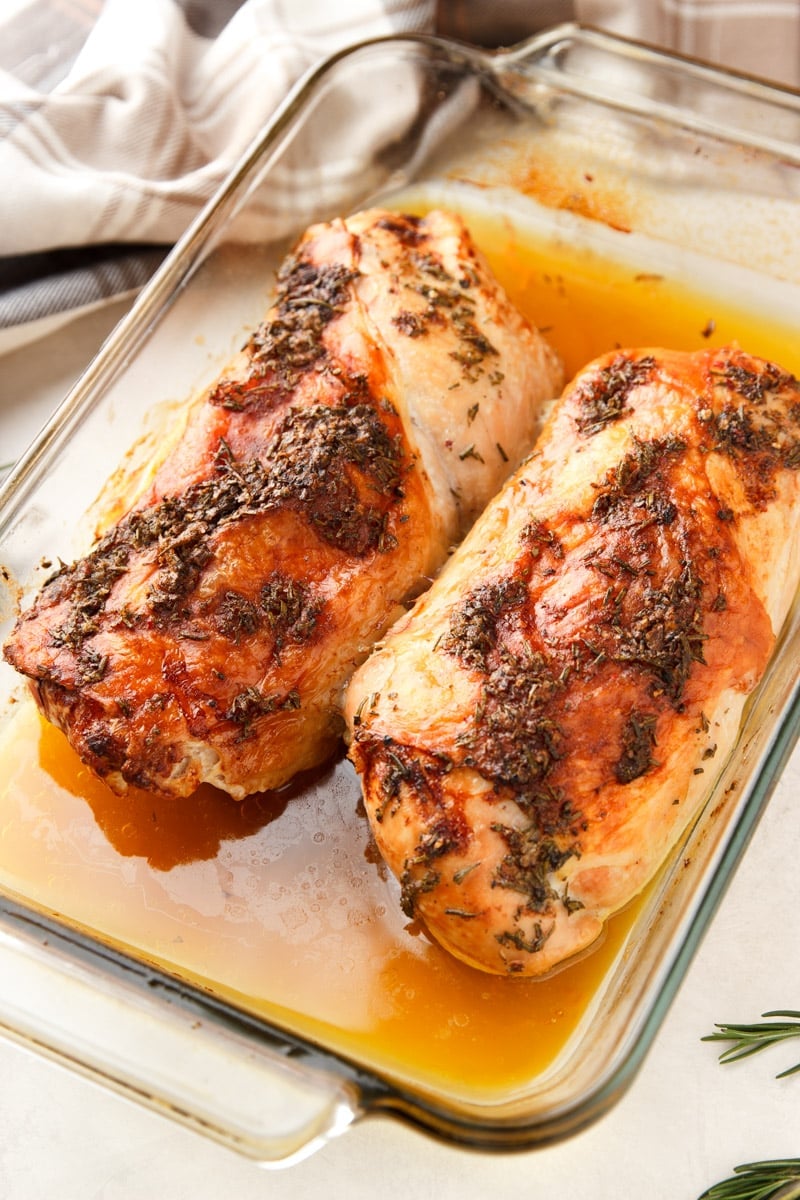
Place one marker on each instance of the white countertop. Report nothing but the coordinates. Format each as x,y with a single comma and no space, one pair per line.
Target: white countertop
683,1125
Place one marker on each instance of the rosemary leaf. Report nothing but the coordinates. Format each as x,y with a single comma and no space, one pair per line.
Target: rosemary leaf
749,1039
778,1179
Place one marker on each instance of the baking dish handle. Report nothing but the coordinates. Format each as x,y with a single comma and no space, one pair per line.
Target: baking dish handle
166,1046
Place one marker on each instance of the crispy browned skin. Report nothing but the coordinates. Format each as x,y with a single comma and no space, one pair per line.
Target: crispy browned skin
208,634
534,736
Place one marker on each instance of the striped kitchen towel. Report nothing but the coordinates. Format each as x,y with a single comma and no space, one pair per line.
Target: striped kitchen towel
119,120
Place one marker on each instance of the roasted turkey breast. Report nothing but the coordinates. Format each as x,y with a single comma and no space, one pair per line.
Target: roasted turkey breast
314,488
537,732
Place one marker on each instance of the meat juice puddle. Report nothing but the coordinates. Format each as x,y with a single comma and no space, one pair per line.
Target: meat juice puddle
279,904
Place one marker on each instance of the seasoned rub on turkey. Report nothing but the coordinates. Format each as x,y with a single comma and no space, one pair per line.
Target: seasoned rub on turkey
536,734
208,634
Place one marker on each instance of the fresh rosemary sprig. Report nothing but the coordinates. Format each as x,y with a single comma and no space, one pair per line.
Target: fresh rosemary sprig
778,1179
749,1039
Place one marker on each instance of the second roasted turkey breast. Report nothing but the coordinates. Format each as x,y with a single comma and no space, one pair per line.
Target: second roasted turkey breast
316,486
536,734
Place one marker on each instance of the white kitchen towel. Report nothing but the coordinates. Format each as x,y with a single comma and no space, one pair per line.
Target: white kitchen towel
119,120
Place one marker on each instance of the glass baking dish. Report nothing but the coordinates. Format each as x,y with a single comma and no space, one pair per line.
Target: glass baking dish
245,968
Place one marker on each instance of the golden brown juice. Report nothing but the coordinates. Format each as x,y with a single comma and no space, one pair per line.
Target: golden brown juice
588,305
279,903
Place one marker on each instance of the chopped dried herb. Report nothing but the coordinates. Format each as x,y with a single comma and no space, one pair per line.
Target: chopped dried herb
92,666
394,765
571,904
431,266
518,941
476,344
665,636
236,616
413,886
753,385
460,875
413,325
528,864
631,476
450,299
638,740
737,430
437,840
191,633
550,809
513,739
760,438
472,634
88,584
538,537
230,394
306,470
309,296
603,396
251,703
289,608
